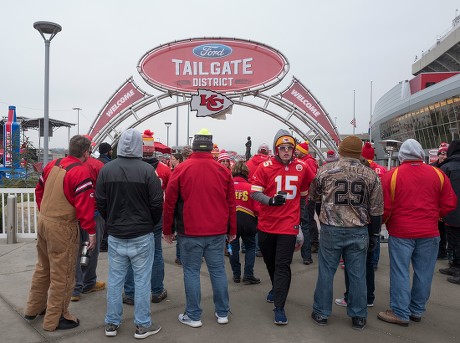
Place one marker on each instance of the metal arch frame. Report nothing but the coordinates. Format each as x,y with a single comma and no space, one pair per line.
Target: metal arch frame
109,130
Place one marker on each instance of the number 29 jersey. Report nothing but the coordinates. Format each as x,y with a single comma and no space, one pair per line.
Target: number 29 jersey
273,176
349,193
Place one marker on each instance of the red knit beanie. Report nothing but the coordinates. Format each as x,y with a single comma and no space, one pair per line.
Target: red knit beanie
302,147
368,151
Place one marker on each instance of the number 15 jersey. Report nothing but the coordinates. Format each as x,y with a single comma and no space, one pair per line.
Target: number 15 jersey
273,176
349,193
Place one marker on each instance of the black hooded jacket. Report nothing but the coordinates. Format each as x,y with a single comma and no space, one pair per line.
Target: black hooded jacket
451,166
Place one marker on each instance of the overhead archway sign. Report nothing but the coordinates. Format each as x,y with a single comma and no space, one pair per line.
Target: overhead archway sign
223,65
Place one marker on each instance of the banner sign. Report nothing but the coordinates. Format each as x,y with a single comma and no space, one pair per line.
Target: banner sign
210,104
225,65
303,99
124,97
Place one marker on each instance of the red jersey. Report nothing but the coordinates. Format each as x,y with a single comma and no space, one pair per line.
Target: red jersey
94,166
78,190
244,202
273,176
380,170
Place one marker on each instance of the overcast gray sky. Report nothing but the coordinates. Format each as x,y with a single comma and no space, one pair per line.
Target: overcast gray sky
333,47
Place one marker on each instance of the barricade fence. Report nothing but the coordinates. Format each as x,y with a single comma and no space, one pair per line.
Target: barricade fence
26,212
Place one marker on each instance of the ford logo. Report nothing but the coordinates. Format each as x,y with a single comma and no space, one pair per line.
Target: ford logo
212,51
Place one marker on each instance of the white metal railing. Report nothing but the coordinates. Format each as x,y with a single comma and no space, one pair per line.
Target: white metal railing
27,212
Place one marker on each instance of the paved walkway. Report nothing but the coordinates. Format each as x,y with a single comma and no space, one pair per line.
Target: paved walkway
252,316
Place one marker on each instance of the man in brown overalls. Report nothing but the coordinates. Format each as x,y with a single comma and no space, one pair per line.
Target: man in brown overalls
64,195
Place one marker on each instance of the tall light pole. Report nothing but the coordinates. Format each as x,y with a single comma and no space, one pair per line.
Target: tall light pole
78,109
168,124
47,30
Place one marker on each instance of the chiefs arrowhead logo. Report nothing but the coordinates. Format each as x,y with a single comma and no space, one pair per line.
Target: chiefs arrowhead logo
208,103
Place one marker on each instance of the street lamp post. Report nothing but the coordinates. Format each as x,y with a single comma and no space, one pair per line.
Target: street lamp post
168,124
47,30
78,109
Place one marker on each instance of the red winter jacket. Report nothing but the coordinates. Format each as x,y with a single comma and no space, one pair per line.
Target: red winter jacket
201,192
420,199
254,162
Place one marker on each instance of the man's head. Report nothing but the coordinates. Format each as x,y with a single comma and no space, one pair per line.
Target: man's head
350,147
331,156
186,152
105,149
80,147
130,144
442,152
202,141
284,146
411,150
301,149
368,151
263,149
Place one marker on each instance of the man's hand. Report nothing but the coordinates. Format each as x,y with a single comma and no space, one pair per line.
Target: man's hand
277,200
168,238
230,238
92,242
373,243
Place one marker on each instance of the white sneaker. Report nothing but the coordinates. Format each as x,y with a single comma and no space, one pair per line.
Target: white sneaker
221,320
184,319
341,302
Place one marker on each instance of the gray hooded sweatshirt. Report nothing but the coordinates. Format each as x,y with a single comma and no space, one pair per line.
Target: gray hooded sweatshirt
128,191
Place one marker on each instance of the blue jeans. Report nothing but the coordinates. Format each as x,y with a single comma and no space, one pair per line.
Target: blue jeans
158,268
422,252
137,252
352,244
212,249
249,257
85,277
370,279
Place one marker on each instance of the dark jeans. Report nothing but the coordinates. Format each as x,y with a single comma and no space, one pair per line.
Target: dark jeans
312,224
442,252
278,251
370,279
249,257
453,239
85,276
305,251
375,255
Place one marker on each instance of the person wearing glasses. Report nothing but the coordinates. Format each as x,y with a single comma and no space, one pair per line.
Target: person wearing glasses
281,185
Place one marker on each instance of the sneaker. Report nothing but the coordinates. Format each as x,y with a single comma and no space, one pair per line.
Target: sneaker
308,261
128,300
270,297
159,297
389,317
341,302
280,316
370,305
453,271
75,298
319,319
251,280
111,330
221,320
30,318
358,323
184,319
98,286
144,332
66,324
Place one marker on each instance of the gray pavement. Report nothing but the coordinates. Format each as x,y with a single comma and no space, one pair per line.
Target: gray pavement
251,319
